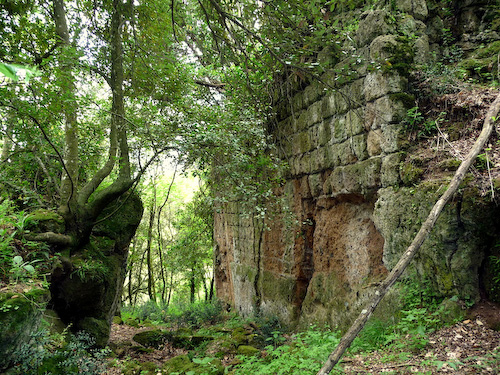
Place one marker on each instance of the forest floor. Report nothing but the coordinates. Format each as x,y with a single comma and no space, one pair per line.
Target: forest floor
467,347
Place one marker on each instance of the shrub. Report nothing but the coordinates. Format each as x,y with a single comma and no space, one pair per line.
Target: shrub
198,314
54,355
305,353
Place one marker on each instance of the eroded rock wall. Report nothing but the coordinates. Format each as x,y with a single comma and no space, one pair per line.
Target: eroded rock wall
345,217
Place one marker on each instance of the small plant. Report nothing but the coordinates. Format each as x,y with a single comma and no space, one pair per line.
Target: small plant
413,118
305,353
47,354
21,270
198,314
482,161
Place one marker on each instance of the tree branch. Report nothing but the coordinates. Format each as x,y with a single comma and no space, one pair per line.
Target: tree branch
50,237
423,233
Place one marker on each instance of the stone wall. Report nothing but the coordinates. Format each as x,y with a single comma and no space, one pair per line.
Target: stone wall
346,216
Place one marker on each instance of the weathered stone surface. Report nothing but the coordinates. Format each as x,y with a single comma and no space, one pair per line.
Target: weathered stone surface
422,50
378,84
391,137
389,173
316,184
417,8
381,46
339,129
372,24
354,122
329,239
314,113
383,111
373,141
359,146
449,258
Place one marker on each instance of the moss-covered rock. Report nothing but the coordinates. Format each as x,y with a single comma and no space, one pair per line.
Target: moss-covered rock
182,365
451,311
99,329
139,368
154,338
20,315
410,174
452,255
86,288
248,350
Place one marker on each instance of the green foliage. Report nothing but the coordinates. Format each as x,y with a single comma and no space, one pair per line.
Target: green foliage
482,162
12,265
193,315
21,270
59,355
305,353
419,316
198,314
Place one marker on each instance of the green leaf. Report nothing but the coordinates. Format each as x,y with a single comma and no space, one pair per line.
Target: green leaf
29,268
17,260
8,71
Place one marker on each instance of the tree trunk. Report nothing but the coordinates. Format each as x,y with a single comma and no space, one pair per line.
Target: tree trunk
211,293
66,81
424,231
192,285
152,208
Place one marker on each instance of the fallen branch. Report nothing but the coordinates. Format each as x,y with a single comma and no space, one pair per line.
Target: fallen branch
408,255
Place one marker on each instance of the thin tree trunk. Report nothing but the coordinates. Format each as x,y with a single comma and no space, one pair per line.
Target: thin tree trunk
424,231
130,271
152,209
169,296
192,285
160,239
139,277
211,293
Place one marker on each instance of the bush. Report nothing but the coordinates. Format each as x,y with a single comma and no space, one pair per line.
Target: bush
198,314
54,355
306,353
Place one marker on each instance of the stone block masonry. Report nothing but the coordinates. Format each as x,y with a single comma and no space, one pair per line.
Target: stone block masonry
345,216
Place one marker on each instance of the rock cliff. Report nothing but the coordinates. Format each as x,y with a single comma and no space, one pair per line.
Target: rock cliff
355,193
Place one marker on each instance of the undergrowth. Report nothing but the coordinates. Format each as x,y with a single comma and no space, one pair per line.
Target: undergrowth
59,354
192,315
304,353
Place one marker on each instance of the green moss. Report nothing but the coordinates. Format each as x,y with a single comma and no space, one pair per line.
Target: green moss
407,99
239,335
153,338
137,368
277,288
99,329
402,55
45,220
248,350
19,316
450,164
490,50
410,174
180,365
43,215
